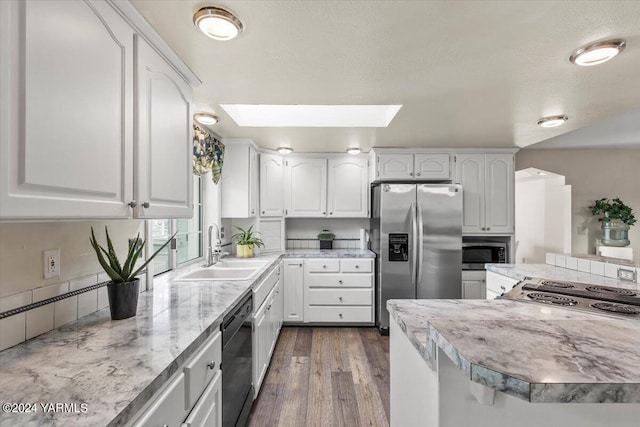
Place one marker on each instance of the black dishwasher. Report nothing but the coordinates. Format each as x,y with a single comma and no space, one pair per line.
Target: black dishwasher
237,390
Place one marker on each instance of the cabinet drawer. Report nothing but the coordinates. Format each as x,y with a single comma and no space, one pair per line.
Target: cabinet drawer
339,297
202,367
338,280
338,314
168,409
208,411
356,265
322,265
261,291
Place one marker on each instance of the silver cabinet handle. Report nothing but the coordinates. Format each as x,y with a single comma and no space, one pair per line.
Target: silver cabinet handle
503,288
262,212
418,174
340,299
340,314
340,281
488,228
324,213
357,266
132,204
324,266
483,228
330,213
410,173
145,205
269,307
211,365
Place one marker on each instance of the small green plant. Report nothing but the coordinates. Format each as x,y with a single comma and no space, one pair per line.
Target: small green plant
613,210
122,273
248,237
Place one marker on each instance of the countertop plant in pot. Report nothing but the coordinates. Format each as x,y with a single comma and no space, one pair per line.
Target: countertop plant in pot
246,240
124,287
615,221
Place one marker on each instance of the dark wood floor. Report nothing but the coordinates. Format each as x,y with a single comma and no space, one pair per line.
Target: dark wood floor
323,377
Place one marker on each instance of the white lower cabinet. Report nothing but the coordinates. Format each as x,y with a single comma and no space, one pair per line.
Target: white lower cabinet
267,322
193,397
497,284
338,290
474,284
293,278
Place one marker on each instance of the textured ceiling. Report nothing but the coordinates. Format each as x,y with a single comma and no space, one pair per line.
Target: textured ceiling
468,73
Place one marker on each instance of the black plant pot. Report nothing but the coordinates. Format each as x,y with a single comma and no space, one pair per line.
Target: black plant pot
123,299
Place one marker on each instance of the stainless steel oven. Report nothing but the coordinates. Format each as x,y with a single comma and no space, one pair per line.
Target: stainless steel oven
476,254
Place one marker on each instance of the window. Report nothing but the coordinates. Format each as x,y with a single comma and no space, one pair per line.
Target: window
188,244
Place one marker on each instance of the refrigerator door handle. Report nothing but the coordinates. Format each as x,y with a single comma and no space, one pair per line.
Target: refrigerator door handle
420,244
414,246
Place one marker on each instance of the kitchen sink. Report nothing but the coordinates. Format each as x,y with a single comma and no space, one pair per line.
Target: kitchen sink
218,273
240,263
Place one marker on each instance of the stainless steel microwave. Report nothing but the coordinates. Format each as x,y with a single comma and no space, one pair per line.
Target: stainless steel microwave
475,255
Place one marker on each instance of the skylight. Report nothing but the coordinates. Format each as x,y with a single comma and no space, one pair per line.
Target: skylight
358,116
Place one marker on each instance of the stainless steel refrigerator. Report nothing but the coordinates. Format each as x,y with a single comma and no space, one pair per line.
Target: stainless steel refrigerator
416,233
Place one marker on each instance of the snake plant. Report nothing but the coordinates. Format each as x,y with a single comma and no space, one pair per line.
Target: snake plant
122,272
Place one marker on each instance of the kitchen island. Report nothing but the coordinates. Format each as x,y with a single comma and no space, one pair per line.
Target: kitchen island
495,363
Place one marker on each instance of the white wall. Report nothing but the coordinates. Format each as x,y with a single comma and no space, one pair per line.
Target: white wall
592,174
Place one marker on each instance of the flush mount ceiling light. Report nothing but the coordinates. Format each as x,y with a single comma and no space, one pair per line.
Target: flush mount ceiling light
206,119
354,150
217,23
597,53
331,116
285,150
552,121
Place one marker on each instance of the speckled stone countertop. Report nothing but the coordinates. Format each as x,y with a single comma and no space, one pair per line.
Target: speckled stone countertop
534,352
545,271
116,366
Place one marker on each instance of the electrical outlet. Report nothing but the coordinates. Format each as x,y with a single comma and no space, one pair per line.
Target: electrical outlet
51,263
222,232
629,275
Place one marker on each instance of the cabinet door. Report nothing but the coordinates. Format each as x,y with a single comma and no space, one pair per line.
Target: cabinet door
499,193
432,166
473,289
253,182
348,188
470,173
208,411
394,166
293,291
163,138
260,345
306,187
271,185
66,110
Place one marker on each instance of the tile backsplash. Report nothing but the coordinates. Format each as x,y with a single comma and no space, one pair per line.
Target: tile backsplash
21,273
593,264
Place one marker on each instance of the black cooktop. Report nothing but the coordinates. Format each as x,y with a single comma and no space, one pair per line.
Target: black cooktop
597,292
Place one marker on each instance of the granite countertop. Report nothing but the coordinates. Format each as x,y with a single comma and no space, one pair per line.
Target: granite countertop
329,253
545,271
116,366
536,353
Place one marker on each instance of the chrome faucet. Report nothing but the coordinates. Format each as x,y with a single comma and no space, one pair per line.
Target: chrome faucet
214,255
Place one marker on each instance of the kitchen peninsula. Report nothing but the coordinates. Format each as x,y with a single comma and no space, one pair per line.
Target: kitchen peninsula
505,363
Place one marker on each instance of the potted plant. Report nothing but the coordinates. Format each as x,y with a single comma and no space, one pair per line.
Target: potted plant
246,240
124,287
616,220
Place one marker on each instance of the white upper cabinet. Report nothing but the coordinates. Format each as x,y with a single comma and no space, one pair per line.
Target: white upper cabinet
306,187
432,166
348,187
394,166
163,138
68,138
239,179
271,185
488,192
66,110
409,166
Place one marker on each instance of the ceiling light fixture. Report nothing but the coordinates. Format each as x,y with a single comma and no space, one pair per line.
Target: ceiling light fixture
285,150
552,121
598,52
218,23
206,119
354,150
